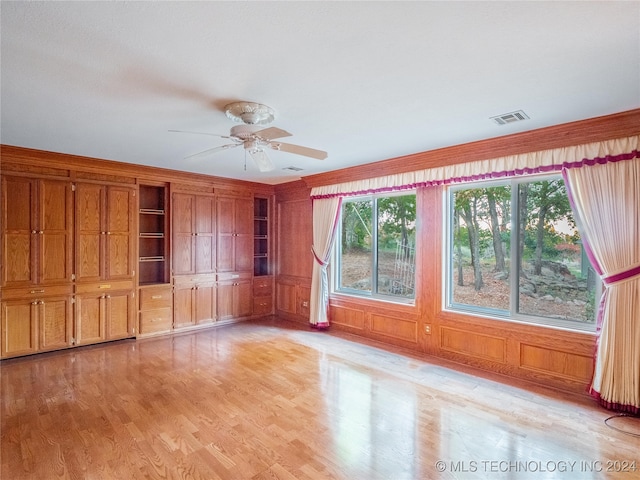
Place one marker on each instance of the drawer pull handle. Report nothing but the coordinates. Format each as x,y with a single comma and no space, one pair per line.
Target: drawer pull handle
155,297
104,286
37,291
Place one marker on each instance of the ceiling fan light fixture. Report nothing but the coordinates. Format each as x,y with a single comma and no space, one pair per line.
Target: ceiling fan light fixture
250,113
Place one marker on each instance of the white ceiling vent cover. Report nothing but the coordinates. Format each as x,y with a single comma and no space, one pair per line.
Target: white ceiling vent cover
511,117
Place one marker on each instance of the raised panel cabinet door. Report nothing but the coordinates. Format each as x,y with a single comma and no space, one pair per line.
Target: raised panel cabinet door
243,253
243,213
54,323
183,307
19,199
205,261
243,299
90,232
119,315
205,311
225,248
119,231
19,328
183,239
225,300
90,318
55,228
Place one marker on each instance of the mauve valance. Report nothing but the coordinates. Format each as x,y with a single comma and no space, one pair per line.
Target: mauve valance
553,160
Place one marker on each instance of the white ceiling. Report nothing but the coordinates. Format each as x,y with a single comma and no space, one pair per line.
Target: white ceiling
365,81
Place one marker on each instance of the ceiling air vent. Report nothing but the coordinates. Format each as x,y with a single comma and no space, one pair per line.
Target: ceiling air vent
293,169
510,117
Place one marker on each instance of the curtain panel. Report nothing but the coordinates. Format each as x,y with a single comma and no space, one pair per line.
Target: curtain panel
606,202
325,214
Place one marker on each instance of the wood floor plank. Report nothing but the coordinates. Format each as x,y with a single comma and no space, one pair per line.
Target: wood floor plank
274,400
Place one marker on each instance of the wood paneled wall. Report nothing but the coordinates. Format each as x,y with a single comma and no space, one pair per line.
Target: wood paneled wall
553,357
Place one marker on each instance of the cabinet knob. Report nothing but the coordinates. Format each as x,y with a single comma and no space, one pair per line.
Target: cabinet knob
33,231
40,232
34,303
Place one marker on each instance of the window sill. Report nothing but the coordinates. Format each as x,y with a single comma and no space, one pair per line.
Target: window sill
341,297
449,313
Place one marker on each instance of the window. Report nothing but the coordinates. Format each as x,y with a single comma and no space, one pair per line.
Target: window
375,247
514,251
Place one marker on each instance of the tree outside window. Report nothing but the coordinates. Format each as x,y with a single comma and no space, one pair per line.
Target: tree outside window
529,225
376,246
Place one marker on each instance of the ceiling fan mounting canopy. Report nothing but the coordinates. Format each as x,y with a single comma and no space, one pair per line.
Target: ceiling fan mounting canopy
250,113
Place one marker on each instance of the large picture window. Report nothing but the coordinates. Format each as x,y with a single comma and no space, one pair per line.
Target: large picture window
375,248
514,251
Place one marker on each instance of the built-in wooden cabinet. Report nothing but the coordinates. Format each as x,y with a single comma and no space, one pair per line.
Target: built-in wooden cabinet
104,232
104,315
37,227
235,296
105,262
37,265
36,320
263,295
235,233
195,300
92,251
193,233
156,309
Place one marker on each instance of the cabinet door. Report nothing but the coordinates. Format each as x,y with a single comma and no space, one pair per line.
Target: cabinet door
183,255
225,300
55,230
119,228
205,234
54,323
19,328
243,299
235,299
205,298
90,232
183,306
90,318
18,231
119,313
235,234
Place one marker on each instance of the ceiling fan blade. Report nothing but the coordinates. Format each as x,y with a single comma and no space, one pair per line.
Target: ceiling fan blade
203,133
271,133
299,150
264,163
211,151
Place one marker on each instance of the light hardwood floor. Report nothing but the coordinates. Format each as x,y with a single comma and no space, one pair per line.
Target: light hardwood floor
274,400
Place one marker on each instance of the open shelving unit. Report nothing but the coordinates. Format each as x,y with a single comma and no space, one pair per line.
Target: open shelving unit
153,266
261,237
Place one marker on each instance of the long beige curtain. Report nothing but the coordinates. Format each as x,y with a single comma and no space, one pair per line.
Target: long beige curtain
606,200
325,222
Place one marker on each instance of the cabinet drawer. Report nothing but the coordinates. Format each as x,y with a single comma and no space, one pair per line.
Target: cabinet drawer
235,276
153,298
262,305
35,292
262,288
155,321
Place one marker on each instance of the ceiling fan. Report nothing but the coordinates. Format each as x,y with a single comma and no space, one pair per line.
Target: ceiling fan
253,137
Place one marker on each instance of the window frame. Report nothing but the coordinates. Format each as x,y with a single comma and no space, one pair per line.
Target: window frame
335,265
512,314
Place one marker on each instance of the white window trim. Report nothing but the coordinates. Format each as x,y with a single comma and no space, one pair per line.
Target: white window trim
511,315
